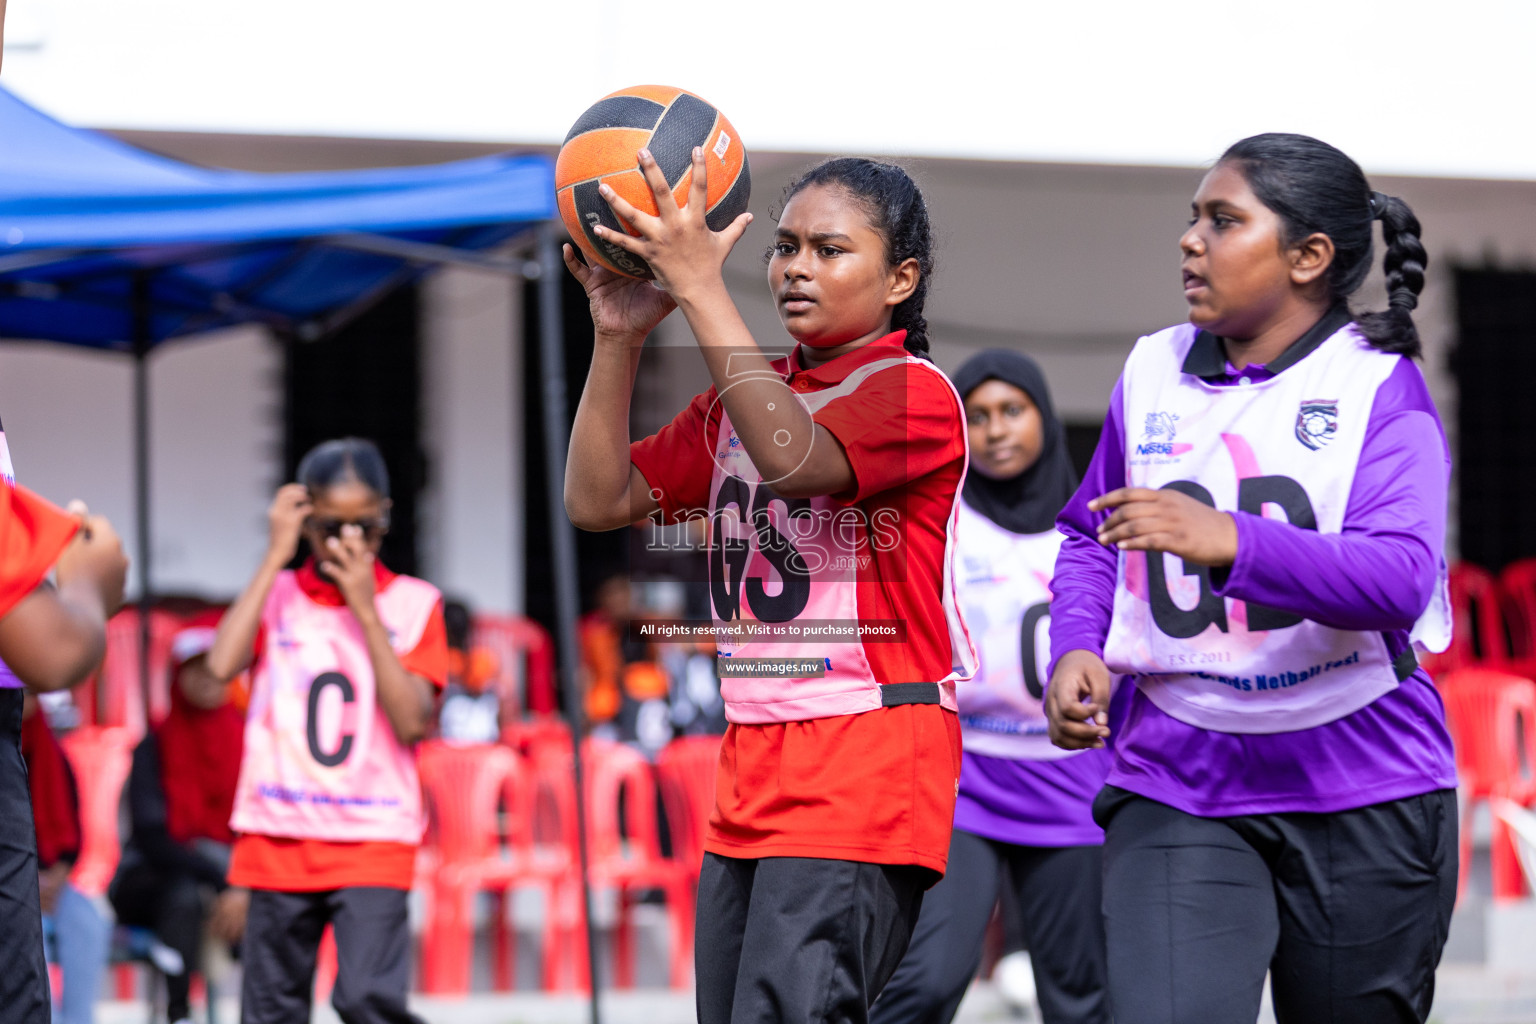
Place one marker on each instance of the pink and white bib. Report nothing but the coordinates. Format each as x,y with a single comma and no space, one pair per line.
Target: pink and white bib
792,563
321,760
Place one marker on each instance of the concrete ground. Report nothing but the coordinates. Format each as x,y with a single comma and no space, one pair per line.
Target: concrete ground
1466,995
1487,976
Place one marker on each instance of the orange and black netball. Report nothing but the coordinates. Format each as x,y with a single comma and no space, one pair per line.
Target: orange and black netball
600,149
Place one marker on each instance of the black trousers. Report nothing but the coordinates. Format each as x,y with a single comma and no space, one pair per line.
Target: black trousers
24,974
1347,911
1057,892
800,939
171,905
282,939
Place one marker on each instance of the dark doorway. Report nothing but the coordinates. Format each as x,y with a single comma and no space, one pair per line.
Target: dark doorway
363,381
598,555
1494,363
1082,439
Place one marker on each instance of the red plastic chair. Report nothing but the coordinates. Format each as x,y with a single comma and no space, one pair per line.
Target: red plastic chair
1492,718
626,855
1517,590
686,769
100,756
326,965
116,698
536,737
525,658
1477,636
464,787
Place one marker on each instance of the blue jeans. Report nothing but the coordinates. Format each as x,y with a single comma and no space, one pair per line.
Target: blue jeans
77,937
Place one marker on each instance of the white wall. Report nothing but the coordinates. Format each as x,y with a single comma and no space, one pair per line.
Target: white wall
471,529
215,433
1416,86
216,444
1068,263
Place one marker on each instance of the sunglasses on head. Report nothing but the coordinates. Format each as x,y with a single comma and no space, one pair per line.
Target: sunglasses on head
372,529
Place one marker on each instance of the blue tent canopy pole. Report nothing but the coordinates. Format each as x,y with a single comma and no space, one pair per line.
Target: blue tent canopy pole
563,547
142,340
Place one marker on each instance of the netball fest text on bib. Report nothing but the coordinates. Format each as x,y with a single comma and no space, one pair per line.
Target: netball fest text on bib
783,560
321,761
1285,448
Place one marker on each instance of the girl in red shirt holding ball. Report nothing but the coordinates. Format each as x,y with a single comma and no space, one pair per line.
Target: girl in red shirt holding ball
830,479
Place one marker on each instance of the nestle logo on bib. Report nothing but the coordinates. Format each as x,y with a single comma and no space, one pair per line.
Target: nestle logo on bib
1158,435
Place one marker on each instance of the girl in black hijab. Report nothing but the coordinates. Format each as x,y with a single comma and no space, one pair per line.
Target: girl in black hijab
1021,803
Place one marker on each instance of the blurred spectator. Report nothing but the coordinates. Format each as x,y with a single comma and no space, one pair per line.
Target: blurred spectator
697,707
693,686
471,711
181,792
75,933
626,686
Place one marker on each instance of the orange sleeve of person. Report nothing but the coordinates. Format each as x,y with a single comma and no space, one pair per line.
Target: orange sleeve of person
33,533
646,680
601,663
429,658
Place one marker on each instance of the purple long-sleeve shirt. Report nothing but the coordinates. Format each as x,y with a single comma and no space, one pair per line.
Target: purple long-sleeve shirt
1377,574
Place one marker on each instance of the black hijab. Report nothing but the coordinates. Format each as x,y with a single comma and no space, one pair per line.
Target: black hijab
1029,502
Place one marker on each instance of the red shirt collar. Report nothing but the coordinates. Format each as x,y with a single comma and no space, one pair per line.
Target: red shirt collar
834,371
322,591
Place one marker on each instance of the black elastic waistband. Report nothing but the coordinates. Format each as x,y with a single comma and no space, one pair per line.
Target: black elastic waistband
895,694
1405,664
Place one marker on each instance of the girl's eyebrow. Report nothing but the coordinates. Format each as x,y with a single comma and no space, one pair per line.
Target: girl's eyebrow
817,237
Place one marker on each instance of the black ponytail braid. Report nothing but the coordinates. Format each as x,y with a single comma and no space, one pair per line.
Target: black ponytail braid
896,210
1314,187
1392,329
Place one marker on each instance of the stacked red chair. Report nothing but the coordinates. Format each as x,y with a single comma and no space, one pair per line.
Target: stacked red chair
1478,636
626,856
1492,717
100,756
466,787
525,658
118,696
1517,592
686,769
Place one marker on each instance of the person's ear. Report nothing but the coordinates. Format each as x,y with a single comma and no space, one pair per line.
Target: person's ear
1310,259
903,282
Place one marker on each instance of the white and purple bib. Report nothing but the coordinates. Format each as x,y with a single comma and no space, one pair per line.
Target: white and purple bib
792,564
1287,447
1005,592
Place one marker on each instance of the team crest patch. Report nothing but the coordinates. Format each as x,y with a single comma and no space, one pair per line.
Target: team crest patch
1316,423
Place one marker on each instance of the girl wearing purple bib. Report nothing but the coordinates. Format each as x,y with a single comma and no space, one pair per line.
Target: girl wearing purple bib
1023,804
1257,546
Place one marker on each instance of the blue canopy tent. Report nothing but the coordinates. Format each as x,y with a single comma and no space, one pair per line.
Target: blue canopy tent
109,246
